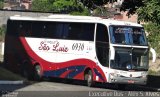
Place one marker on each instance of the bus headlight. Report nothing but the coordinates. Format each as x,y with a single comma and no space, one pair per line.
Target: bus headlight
114,75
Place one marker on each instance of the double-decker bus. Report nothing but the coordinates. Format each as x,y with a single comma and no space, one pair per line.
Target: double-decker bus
77,47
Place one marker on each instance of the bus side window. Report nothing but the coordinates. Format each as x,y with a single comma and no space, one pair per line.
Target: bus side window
81,31
37,29
25,29
12,27
50,27
74,30
88,31
102,45
60,30
55,30
65,31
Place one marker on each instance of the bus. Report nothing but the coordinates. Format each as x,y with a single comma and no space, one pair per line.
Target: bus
86,48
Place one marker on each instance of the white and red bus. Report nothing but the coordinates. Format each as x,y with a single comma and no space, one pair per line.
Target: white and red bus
77,47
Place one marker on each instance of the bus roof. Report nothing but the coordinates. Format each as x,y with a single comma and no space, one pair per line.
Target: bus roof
71,18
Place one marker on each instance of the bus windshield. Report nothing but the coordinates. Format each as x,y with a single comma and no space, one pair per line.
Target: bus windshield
130,59
127,35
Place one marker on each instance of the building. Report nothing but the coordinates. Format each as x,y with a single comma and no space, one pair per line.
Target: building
114,6
17,4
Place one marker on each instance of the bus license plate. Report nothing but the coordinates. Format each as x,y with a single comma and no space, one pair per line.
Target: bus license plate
131,81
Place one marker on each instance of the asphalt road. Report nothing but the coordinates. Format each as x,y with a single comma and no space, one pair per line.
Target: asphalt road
74,89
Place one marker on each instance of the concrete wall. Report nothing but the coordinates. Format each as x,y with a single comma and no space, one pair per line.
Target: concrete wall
4,15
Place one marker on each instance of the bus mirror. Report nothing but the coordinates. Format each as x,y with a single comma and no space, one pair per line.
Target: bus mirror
153,54
112,50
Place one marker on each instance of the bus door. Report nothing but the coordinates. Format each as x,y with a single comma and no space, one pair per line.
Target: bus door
102,45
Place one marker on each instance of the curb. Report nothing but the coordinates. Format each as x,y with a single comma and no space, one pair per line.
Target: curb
11,82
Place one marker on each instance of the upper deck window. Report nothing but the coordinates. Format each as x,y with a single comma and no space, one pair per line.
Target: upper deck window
128,35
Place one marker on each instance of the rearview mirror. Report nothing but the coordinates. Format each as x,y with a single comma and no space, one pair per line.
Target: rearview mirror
153,54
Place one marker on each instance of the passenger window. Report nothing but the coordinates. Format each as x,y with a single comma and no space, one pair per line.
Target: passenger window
37,29
12,27
81,31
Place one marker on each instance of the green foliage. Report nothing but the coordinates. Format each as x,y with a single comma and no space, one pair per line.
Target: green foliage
2,32
1,4
153,31
150,12
100,11
2,29
61,6
70,6
131,6
152,72
42,5
83,12
93,4
64,5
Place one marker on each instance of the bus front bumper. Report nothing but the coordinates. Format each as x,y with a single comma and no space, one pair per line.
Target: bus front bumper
128,80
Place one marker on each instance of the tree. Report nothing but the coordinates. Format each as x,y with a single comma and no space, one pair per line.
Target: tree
131,6
150,12
2,32
93,4
153,31
1,4
61,6
66,5
70,6
128,5
42,5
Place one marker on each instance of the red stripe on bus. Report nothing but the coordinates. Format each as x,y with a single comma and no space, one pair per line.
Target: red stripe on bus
91,64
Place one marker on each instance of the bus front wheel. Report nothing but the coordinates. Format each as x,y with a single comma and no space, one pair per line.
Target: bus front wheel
89,78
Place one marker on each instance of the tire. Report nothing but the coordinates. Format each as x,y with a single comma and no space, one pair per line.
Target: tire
89,78
37,73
